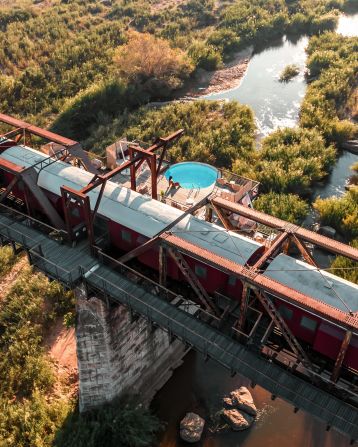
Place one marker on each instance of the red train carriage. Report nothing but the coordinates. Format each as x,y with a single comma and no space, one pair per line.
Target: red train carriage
131,219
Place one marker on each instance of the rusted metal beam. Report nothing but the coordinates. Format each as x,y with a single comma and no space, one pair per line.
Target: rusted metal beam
160,143
9,188
341,355
156,238
48,135
153,170
262,282
243,306
275,247
8,166
29,177
13,133
303,250
193,281
98,201
223,218
302,233
286,332
162,266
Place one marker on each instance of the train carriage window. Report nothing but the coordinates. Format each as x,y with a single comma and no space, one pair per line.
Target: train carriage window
285,312
308,323
232,280
200,271
126,236
75,212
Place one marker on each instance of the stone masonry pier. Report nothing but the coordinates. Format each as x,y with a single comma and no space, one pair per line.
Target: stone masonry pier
119,355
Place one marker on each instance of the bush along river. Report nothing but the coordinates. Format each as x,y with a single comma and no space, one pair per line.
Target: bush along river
199,386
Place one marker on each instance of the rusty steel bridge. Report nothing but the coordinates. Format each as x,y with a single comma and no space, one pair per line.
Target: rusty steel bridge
234,334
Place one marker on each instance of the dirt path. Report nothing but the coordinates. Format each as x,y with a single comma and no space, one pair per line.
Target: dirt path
60,344
7,281
163,4
227,78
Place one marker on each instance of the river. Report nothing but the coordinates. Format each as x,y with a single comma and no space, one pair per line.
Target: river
199,386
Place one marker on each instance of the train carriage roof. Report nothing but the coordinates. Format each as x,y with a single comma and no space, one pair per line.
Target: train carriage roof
321,285
135,211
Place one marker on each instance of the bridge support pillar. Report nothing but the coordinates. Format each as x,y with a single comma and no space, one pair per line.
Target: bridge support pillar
118,356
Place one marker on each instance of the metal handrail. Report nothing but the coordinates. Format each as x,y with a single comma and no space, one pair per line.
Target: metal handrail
166,324
144,280
67,273
32,219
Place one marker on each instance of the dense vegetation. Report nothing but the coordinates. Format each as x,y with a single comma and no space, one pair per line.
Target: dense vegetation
289,72
28,416
123,423
50,54
285,206
7,259
33,413
341,213
346,268
214,132
330,98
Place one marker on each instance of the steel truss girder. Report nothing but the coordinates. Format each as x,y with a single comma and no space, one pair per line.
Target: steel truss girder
302,233
286,332
193,281
156,238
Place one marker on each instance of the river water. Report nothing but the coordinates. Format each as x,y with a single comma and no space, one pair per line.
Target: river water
199,386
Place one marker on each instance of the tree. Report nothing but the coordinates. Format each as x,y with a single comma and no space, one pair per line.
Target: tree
148,60
284,206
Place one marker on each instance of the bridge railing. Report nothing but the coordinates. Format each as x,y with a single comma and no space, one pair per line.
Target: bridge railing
145,282
13,235
238,360
32,222
54,271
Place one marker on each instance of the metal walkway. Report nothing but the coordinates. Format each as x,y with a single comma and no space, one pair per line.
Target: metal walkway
72,266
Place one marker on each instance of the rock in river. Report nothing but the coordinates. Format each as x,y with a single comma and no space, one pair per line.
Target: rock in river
238,420
191,427
242,400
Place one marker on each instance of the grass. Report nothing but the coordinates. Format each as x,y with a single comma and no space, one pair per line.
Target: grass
7,260
289,72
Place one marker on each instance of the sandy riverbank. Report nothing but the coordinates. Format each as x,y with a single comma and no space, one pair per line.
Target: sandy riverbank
207,82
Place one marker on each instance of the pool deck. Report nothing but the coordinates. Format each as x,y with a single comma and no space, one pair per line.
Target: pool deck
183,198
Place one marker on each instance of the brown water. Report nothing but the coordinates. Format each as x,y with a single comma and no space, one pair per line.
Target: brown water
199,386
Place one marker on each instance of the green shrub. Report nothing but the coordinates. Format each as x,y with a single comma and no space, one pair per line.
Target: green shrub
289,72
340,213
205,56
120,423
7,259
332,62
215,133
291,160
225,41
284,206
96,105
346,268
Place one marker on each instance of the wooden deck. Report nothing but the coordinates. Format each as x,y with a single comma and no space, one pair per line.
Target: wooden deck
234,188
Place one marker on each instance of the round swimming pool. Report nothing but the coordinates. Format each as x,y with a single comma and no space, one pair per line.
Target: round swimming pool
192,174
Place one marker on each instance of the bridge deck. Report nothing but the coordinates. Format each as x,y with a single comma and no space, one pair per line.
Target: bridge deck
71,265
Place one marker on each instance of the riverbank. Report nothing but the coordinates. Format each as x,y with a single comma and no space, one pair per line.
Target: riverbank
230,76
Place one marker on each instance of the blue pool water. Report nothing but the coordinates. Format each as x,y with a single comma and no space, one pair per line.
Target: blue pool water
192,174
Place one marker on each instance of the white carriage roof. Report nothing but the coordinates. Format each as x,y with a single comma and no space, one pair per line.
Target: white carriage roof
135,211
321,285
